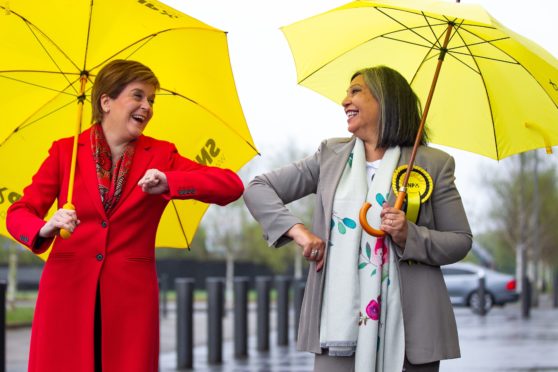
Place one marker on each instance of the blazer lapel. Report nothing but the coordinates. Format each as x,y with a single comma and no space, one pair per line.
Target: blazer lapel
403,160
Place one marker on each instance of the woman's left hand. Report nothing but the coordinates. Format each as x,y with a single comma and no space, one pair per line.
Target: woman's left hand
394,223
154,182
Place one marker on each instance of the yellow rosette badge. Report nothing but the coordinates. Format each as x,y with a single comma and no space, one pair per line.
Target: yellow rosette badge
419,188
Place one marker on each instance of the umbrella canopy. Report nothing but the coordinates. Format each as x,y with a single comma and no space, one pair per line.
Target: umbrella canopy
496,94
47,46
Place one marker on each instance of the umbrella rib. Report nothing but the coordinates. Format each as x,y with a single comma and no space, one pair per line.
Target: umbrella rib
486,92
212,114
429,46
147,39
431,28
464,63
516,62
405,27
180,223
426,56
33,27
26,124
490,42
478,43
49,55
33,84
484,57
88,35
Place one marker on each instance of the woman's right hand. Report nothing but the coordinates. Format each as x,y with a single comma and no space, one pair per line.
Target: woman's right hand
313,248
62,219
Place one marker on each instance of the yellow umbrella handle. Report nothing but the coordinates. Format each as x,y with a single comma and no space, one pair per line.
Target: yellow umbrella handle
366,206
65,234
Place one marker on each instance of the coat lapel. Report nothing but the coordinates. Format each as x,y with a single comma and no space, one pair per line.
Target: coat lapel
87,171
86,168
140,163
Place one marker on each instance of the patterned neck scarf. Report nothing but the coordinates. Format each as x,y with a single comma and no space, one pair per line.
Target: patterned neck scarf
361,312
111,177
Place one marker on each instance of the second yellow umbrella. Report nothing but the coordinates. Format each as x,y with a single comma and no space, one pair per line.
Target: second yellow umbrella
484,88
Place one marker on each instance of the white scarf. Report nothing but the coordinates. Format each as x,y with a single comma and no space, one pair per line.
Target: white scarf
361,305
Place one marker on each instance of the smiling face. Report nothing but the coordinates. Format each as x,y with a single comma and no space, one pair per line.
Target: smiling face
127,115
363,111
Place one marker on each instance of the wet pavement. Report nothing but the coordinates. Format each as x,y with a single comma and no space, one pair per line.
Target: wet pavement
500,341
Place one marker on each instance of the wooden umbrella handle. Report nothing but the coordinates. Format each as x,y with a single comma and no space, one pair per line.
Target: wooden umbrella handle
364,222
364,210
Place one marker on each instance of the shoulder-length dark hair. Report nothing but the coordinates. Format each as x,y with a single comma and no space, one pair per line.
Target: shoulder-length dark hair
113,78
400,110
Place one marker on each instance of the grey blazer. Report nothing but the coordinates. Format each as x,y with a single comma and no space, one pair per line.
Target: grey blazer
441,236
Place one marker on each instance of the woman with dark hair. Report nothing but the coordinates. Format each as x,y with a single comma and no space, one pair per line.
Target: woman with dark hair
97,308
371,303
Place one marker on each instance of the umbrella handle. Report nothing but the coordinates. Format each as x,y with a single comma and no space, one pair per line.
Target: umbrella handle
364,223
65,234
366,206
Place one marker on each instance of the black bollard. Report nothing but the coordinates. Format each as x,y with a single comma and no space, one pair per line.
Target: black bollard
298,297
184,323
263,285
525,298
164,288
481,292
282,284
215,306
241,317
555,289
2,326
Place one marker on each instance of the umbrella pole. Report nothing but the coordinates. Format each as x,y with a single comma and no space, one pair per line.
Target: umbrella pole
402,192
65,234
403,189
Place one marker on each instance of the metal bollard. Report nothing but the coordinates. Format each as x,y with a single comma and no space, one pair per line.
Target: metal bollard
481,291
215,306
2,326
526,297
282,287
263,285
184,322
298,297
555,290
164,288
241,317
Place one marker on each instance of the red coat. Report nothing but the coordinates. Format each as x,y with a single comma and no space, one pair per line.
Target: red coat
115,252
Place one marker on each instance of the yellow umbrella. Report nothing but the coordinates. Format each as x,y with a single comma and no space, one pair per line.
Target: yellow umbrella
496,92
51,52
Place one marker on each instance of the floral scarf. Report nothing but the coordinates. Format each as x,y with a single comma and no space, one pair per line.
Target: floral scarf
361,306
111,177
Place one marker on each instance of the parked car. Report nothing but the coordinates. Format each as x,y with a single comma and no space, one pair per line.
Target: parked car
462,281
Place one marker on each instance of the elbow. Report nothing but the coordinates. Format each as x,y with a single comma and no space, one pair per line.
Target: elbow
234,190
464,246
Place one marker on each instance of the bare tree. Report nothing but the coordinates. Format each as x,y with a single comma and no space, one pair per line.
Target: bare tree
515,222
